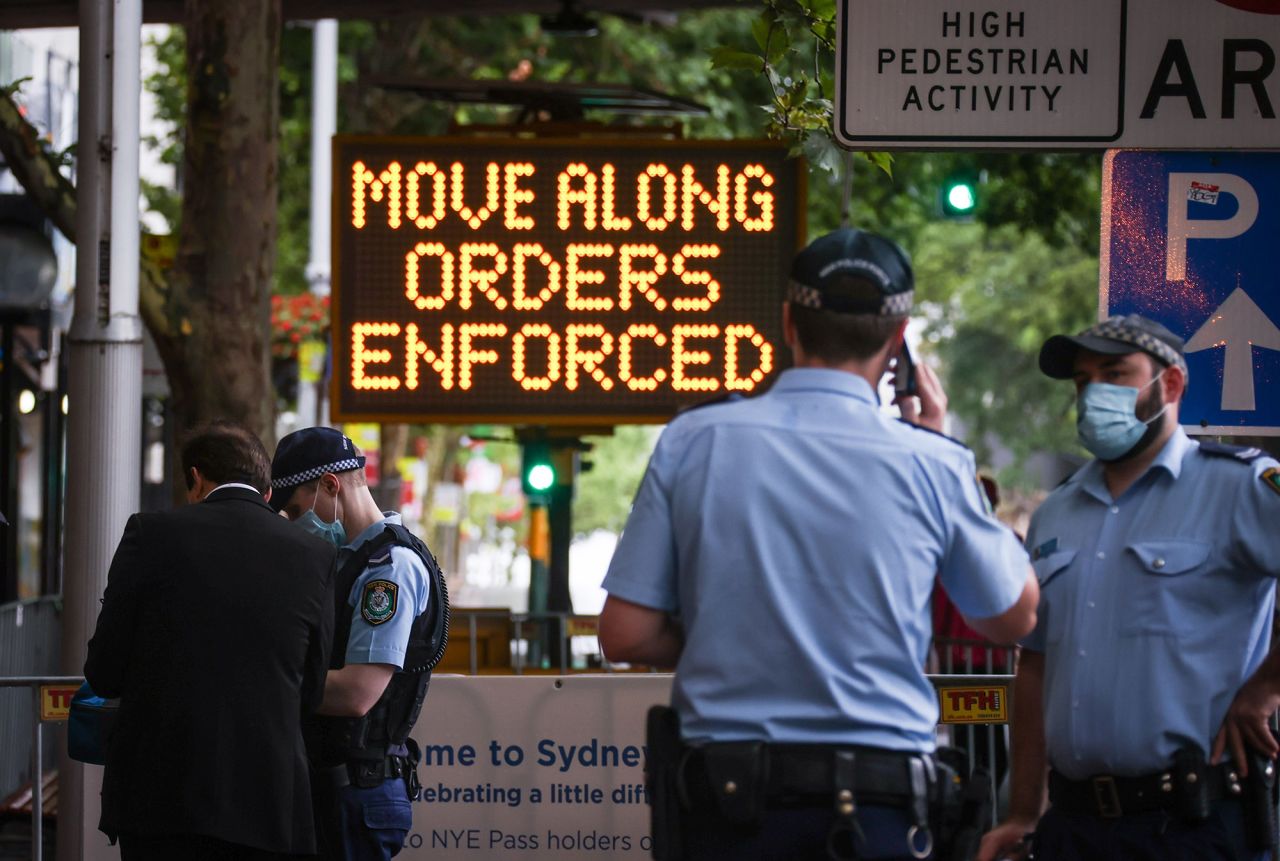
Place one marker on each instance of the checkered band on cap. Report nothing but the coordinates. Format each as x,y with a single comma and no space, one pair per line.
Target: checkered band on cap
805,297
314,473
1117,330
896,305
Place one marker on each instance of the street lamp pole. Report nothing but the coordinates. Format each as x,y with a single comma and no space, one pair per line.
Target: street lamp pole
104,420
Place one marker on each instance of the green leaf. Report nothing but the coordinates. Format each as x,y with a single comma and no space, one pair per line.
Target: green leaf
779,44
823,10
725,57
762,29
882,160
11,89
822,153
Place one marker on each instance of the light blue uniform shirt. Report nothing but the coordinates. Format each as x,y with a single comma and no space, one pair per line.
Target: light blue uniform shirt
798,535
385,642
1154,607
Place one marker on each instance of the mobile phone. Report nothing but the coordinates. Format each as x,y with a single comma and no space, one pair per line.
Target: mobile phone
904,377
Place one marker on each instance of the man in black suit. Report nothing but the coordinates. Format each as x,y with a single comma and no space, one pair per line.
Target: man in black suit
215,634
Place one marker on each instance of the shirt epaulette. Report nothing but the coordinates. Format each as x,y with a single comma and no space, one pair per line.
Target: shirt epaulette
1240,453
935,433
1068,477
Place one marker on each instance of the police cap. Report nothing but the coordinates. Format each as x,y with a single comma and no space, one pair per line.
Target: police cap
1115,336
307,454
852,271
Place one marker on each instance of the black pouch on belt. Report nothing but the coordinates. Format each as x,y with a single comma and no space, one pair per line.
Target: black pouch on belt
974,817
1191,785
662,778
1260,797
739,778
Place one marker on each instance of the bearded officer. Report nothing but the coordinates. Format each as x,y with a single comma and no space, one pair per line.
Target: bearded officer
1157,564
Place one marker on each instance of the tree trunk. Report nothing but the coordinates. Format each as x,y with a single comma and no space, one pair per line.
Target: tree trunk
393,445
215,343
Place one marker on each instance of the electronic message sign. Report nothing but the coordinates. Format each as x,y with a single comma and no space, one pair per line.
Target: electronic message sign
585,281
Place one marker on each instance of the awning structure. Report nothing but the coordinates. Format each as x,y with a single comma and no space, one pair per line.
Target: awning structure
559,100
17,14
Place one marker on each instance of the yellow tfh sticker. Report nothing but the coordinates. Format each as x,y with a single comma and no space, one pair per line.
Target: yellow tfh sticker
974,705
55,701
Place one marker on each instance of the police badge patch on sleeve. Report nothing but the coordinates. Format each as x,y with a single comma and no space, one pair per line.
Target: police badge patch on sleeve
378,604
1271,478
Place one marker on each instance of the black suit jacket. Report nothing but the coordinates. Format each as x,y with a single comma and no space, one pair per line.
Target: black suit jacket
215,634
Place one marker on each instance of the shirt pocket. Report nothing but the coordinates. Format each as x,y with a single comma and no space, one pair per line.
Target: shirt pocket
1166,589
1054,600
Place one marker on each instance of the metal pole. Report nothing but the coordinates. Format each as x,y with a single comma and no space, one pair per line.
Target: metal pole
105,354
8,460
126,38
324,124
37,785
559,599
54,425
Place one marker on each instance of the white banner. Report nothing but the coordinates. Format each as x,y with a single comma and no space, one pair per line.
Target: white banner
534,767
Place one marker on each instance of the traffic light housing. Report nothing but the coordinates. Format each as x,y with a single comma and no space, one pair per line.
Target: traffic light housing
958,197
537,469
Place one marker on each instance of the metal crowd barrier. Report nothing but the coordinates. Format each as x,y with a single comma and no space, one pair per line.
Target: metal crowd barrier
494,640
984,743
975,706
51,698
30,644
974,679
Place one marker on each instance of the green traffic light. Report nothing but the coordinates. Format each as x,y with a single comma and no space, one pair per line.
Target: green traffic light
540,477
960,197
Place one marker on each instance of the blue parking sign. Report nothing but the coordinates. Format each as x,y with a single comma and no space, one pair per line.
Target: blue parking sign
1192,240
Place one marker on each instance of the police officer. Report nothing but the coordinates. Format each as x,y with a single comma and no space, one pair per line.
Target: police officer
781,553
1150,660
389,629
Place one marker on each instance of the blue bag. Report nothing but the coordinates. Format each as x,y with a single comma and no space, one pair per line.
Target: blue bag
89,728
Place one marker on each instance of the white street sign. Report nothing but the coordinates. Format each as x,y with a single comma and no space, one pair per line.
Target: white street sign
1172,74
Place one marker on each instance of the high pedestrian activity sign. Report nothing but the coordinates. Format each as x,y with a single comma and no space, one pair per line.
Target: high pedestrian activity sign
1174,74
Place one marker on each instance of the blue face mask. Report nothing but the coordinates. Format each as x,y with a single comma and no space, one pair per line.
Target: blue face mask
334,532
1107,422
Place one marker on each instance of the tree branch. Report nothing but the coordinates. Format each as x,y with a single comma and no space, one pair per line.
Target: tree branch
37,171
35,168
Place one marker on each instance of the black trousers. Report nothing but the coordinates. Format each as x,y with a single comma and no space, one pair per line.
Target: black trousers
1154,836
190,847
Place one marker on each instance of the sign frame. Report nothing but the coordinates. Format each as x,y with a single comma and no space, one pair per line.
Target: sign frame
1182,77
940,141
513,144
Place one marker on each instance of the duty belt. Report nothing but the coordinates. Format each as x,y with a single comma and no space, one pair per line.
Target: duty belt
801,773
1111,796
741,779
365,771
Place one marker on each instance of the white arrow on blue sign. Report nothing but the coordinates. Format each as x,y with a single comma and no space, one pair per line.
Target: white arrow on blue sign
1192,240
